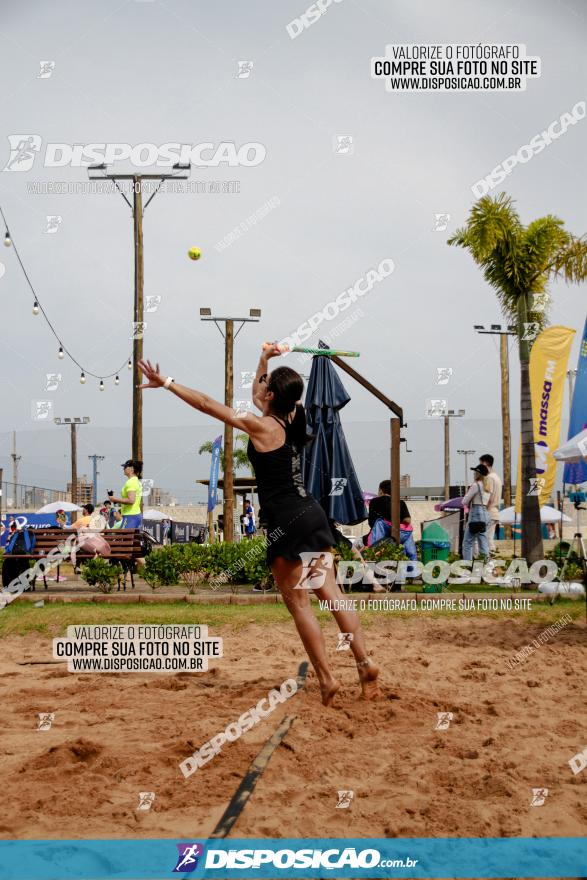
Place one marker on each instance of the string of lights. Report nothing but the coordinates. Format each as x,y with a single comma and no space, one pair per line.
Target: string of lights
38,309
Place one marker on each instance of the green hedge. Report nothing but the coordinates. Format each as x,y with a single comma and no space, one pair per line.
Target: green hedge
245,561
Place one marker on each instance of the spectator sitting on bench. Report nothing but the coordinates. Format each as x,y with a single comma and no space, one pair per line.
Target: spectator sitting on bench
84,519
380,509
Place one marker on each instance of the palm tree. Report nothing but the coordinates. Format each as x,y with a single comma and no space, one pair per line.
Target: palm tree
519,262
240,459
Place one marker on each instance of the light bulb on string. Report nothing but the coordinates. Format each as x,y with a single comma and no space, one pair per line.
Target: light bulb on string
101,384
129,365
82,379
7,239
117,381
60,353
35,308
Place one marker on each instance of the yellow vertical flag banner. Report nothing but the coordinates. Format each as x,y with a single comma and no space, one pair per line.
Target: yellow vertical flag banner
548,368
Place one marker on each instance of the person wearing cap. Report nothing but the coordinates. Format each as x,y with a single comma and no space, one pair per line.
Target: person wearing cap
494,501
476,499
131,492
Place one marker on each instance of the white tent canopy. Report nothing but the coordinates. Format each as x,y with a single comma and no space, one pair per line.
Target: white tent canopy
573,450
508,516
153,514
67,506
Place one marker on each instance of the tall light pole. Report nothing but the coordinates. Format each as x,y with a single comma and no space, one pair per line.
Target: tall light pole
466,453
138,211
72,423
503,333
15,460
95,459
448,415
229,336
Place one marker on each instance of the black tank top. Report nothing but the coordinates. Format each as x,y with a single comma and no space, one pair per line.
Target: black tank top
278,473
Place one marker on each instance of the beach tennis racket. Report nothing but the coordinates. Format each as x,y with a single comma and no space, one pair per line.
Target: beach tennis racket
327,352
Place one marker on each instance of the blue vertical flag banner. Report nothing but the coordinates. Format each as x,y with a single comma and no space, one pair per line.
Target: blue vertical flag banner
214,469
577,472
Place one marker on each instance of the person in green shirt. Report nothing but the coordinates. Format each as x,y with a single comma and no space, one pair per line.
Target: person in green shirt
131,492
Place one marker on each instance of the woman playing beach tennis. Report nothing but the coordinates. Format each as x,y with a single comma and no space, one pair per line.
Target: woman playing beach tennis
276,439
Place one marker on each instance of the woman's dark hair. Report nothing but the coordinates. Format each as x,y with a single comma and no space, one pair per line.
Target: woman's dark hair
89,508
287,387
138,468
385,487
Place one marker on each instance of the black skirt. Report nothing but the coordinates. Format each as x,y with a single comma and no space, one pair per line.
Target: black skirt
296,525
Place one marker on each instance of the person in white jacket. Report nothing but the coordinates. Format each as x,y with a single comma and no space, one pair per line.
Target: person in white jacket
476,499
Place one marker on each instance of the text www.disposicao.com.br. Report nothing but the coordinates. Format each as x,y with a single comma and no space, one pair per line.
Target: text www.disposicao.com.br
135,664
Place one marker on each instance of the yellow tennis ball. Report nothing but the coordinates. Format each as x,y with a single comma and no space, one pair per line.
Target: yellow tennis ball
194,253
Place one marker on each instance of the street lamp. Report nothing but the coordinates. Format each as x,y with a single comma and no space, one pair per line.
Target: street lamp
448,415
72,423
466,453
229,336
503,333
138,210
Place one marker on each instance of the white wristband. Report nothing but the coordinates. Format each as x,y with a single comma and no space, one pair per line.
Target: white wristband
168,382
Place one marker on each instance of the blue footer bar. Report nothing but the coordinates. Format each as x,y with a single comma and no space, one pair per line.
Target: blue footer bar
288,857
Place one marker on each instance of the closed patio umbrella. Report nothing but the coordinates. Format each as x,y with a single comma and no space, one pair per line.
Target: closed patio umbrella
327,466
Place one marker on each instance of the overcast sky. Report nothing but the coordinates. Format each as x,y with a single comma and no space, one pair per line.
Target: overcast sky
161,72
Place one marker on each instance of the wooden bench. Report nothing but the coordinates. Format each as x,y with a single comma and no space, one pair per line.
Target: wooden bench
125,544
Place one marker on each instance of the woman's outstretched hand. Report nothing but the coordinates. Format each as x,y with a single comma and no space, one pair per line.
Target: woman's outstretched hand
152,374
271,350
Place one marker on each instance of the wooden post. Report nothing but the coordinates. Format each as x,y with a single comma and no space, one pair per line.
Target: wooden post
446,458
395,425
228,485
505,419
137,345
211,536
505,426
73,463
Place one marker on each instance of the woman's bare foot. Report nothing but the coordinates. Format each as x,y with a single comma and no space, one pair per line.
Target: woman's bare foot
328,690
368,675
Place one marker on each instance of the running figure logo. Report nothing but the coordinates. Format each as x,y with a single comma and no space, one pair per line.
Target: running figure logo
41,410
187,860
436,407
152,303
146,799
444,719
338,485
53,381
539,795
314,567
245,69
531,331
53,223
47,68
441,222
23,149
45,720
146,485
344,800
443,375
536,485
343,145
344,641
242,408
